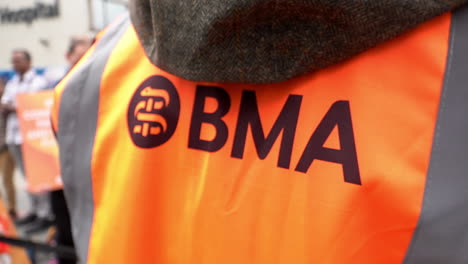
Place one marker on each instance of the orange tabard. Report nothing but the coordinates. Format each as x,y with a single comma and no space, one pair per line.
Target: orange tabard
177,204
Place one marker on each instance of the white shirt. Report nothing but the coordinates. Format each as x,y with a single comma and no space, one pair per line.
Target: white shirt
31,82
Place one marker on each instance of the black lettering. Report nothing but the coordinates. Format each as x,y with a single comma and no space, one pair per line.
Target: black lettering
338,115
16,17
41,9
29,15
199,117
56,8
286,122
6,15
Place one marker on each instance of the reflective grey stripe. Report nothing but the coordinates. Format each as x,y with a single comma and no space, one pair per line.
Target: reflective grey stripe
442,233
77,128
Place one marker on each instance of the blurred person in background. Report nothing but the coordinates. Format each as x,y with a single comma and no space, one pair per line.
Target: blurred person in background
7,163
78,45
25,80
77,48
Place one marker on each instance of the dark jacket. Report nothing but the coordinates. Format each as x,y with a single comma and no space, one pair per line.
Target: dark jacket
263,41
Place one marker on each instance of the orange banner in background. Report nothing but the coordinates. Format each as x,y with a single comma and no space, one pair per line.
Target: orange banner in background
40,151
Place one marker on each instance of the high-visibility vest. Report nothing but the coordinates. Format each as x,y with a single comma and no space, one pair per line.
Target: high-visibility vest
362,162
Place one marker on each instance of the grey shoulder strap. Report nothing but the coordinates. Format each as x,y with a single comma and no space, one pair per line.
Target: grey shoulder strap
442,232
77,128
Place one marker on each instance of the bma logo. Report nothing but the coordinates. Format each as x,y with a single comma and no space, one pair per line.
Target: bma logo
153,112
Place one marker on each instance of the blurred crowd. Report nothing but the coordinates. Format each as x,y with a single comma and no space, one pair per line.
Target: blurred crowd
47,213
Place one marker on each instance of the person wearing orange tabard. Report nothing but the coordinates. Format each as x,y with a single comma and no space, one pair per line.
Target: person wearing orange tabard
270,132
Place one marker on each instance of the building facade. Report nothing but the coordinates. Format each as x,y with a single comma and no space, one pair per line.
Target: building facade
44,27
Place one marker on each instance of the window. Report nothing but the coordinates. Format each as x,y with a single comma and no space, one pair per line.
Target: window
104,12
